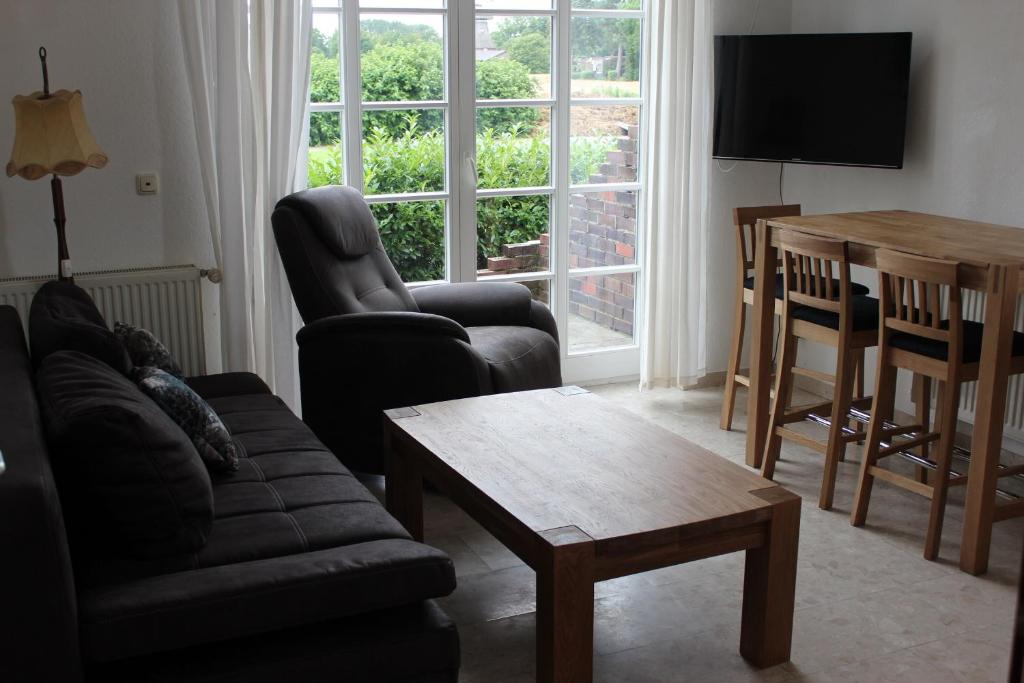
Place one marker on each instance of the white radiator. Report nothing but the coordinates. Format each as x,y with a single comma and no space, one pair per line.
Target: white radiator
974,309
166,301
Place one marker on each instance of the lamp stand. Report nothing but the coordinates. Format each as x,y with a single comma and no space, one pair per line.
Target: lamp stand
59,220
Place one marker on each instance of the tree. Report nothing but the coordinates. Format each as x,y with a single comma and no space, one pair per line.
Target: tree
505,80
515,27
324,86
328,46
374,32
532,51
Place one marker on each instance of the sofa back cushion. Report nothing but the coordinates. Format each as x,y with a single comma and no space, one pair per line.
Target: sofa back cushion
131,479
63,317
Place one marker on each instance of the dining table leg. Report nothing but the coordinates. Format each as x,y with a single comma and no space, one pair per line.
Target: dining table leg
986,443
762,324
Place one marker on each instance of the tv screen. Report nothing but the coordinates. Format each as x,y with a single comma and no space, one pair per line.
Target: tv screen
812,98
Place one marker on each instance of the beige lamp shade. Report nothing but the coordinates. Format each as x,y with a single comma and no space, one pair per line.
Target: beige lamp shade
51,135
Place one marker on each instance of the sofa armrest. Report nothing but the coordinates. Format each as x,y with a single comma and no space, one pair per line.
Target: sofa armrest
38,617
476,304
182,609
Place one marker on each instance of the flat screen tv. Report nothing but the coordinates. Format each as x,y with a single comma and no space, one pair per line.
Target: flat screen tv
812,98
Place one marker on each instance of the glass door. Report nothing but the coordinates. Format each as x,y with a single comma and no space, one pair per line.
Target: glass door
496,140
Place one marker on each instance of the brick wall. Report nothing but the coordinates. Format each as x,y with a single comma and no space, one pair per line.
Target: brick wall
602,232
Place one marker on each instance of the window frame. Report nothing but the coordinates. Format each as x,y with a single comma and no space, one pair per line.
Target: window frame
460,192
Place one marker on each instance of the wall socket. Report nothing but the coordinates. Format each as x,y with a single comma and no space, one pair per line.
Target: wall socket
146,183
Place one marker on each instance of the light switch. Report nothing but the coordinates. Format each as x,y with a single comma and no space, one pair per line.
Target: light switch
146,183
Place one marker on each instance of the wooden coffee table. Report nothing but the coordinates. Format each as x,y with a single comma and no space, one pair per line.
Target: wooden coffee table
583,491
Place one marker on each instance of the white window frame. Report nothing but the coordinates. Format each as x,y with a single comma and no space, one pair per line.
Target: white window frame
460,192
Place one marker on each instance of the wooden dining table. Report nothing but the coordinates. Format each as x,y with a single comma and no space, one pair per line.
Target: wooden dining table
990,258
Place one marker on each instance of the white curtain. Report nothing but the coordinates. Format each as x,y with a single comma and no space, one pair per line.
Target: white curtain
678,156
248,71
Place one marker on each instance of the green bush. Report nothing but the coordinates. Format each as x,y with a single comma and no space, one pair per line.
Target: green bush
403,71
532,51
413,232
503,79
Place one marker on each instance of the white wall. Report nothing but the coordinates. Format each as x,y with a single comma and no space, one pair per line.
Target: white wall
125,57
965,140
745,184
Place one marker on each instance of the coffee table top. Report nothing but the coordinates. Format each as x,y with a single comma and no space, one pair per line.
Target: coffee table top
555,458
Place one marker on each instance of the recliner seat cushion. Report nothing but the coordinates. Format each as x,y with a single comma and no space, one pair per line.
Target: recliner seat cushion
64,318
132,480
520,358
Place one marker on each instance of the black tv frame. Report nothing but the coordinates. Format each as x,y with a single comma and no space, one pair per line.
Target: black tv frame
898,165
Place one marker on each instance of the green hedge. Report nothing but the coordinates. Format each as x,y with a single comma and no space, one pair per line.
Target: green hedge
413,232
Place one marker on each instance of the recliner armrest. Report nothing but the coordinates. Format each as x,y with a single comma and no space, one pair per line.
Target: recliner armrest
384,323
476,304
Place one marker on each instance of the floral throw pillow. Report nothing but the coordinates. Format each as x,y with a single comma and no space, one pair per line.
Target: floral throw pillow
194,415
145,350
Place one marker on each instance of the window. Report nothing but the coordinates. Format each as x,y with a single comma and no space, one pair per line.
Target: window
495,140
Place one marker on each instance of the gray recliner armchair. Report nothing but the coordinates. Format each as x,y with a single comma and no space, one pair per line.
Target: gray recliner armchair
370,344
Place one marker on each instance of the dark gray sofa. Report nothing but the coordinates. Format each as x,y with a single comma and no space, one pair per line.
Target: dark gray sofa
302,574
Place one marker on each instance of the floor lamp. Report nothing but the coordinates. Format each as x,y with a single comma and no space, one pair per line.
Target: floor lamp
51,136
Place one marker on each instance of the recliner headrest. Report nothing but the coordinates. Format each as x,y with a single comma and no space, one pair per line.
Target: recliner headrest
339,216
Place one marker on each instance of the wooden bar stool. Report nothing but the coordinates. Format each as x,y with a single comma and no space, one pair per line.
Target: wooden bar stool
914,336
815,308
744,219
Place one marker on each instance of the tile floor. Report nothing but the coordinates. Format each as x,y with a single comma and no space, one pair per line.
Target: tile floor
869,607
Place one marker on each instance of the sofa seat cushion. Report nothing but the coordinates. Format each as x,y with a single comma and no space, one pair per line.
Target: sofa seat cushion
296,539
213,604
289,495
520,358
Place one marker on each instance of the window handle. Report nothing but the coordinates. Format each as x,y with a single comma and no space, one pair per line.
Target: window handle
473,177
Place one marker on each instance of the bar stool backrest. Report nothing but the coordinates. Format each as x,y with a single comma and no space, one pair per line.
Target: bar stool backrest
810,265
912,292
744,218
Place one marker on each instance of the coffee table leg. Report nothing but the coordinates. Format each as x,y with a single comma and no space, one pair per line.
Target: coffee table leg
769,584
565,607
403,482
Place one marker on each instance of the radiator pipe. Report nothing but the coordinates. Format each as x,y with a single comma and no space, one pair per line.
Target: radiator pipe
214,275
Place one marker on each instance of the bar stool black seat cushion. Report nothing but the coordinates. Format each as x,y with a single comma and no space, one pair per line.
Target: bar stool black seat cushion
937,349
865,315
780,286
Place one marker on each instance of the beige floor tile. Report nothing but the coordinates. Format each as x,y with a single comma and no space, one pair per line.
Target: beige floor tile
869,607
